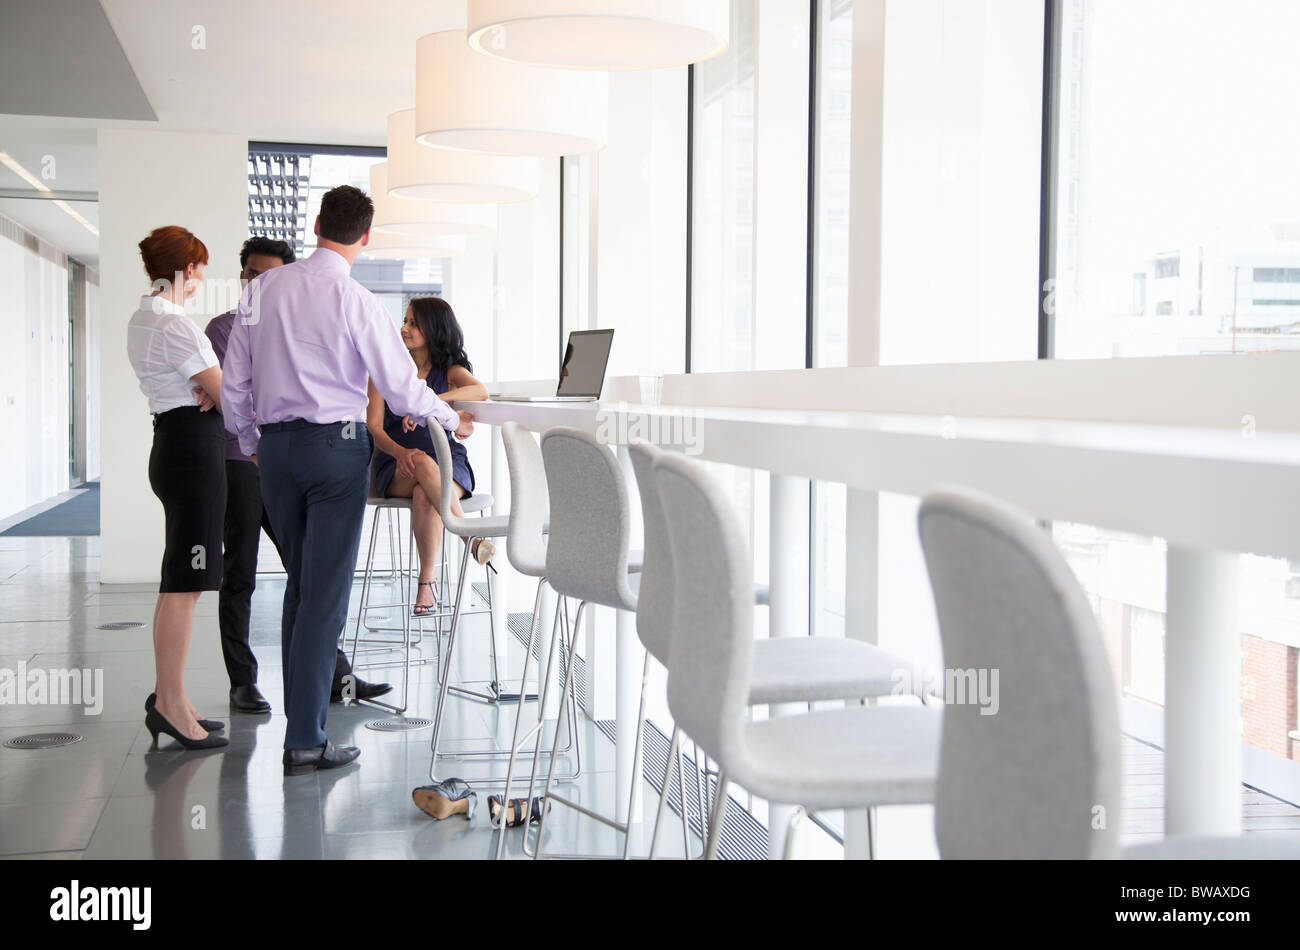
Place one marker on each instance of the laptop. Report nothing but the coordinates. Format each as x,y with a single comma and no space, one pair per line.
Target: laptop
582,374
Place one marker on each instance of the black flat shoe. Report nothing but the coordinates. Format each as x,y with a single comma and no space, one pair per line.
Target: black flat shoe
360,690
248,699
155,723
325,756
211,725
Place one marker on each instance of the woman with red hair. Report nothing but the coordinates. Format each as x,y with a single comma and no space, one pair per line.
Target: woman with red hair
180,376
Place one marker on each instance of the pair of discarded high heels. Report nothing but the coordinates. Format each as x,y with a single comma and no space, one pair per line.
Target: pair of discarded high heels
452,796
518,811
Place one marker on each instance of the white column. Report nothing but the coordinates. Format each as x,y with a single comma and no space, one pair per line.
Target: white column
788,617
1202,694
866,187
780,206
147,179
861,614
862,528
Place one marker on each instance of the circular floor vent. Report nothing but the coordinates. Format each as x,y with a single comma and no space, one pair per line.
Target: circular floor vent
398,725
43,740
121,625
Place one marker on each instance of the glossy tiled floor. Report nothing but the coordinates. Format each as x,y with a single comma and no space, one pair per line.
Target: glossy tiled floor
111,796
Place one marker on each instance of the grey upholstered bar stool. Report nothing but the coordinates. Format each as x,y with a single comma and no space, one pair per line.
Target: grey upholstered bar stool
587,559
468,530
526,541
402,574
1041,778
787,669
859,757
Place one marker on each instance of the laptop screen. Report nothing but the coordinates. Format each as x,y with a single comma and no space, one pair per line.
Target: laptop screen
582,372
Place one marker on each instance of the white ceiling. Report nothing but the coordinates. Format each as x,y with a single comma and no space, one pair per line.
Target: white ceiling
324,72
327,72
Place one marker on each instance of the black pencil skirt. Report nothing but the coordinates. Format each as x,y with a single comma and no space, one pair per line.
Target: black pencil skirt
187,471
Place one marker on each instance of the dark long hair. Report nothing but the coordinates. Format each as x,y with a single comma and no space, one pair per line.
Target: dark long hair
442,334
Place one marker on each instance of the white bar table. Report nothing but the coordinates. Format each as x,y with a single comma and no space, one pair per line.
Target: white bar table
1209,493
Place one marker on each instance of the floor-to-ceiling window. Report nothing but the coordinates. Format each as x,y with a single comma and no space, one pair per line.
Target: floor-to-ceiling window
1177,202
722,212
1175,230
285,186
829,278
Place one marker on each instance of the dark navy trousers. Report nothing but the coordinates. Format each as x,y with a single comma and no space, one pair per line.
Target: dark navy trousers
314,482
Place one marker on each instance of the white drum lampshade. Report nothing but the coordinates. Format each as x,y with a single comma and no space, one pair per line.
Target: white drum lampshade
438,174
600,34
412,247
424,218
467,101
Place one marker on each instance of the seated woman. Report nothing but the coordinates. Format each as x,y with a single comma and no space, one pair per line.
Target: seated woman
404,466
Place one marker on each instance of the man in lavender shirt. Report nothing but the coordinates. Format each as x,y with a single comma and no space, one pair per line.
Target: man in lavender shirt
306,339
245,521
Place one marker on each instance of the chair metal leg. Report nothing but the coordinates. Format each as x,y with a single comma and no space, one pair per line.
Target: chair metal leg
681,794
716,819
365,586
406,607
701,790
519,716
796,818
561,618
674,758
564,698
636,751
446,669
495,686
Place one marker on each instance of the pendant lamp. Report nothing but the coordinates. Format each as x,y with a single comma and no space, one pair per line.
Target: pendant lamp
599,34
439,174
406,246
467,101
424,218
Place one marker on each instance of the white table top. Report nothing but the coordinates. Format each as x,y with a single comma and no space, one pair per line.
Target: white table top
1207,489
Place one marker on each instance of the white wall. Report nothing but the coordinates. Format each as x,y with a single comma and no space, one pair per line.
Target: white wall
147,180
33,369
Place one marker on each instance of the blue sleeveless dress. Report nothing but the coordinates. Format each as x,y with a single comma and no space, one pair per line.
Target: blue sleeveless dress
384,466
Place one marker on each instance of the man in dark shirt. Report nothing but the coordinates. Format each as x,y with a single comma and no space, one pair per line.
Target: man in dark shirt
244,518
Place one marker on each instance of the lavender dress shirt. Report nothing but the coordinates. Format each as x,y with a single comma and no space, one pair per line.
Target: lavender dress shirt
218,332
305,339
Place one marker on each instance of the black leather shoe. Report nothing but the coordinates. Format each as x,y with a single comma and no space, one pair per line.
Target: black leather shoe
248,699
327,756
360,690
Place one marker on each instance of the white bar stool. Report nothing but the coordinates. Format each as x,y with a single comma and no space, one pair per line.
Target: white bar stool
402,571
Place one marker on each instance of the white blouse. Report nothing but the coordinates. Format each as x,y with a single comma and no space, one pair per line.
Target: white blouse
167,349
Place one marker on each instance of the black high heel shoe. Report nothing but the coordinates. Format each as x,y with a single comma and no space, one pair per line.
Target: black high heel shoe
155,723
211,725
